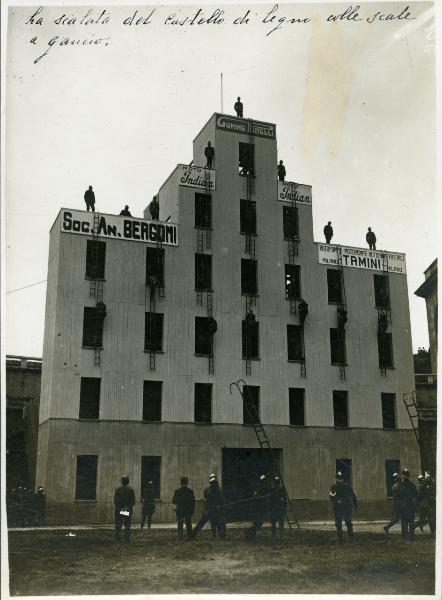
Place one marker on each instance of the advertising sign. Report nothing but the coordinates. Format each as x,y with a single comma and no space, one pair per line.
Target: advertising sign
246,126
119,227
198,177
289,191
360,258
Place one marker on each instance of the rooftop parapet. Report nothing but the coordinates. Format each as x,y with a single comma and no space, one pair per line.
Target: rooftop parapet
361,258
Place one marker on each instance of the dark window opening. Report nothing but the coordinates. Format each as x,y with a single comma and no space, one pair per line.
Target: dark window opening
248,217
203,211
203,336
391,467
250,340
292,282
337,347
388,411
343,465
155,265
250,404
334,286
90,398
86,477
153,332
151,471
203,272
385,349
95,259
290,222
92,327
381,291
203,402
340,408
297,406
246,159
249,278
152,400
295,342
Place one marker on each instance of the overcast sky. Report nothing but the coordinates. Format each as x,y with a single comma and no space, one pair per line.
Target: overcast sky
354,104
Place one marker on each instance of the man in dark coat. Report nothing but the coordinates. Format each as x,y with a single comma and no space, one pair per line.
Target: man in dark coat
344,500
238,107
408,500
125,212
260,507
371,239
426,503
213,510
154,208
184,500
281,171
328,232
209,153
396,512
40,506
124,501
148,501
278,506
89,198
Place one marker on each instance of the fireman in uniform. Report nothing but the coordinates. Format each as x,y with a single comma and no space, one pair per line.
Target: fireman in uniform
328,232
344,500
396,513
371,239
278,506
261,498
184,500
213,510
148,501
209,153
281,171
408,499
154,209
89,198
124,502
239,107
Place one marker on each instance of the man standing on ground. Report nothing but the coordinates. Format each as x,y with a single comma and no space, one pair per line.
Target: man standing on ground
148,501
213,510
184,500
260,505
40,506
408,499
278,505
124,501
344,500
396,514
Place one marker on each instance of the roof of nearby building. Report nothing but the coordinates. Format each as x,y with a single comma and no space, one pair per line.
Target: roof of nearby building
429,286
23,362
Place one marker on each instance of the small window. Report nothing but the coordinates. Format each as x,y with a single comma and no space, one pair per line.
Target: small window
203,402
151,471
153,332
203,211
391,467
337,347
246,159
155,265
292,282
385,349
340,408
381,291
248,217
290,222
249,279
152,400
250,404
90,398
92,327
203,336
297,406
388,411
295,342
95,259
203,272
334,286
343,465
86,478
250,340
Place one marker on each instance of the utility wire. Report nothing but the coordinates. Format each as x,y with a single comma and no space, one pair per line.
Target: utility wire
25,286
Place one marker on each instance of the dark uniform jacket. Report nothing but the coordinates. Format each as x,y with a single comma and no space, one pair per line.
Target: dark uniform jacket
262,497
281,171
213,499
342,497
209,152
407,496
124,498
328,231
370,237
395,493
277,500
148,498
184,500
89,196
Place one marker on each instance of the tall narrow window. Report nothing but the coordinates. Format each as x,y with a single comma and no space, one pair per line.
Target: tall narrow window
203,336
155,265
203,272
95,259
86,477
152,400
292,282
250,340
153,332
90,398
385,349
203,211
250,404
249,279
248,217
337,347
297,406
246,159
290,222
295,345
343,465
92,327
151,471
388,411
334,286
381,291
340,408
203,402
391,467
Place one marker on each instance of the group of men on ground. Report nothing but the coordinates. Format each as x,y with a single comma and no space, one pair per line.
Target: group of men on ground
26,508
370,237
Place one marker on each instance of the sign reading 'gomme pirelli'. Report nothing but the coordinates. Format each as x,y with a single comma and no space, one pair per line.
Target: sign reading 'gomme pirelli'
118,227
360,258
198,177
246,126
289,191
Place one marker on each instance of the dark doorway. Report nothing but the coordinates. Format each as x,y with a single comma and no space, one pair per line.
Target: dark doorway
242,468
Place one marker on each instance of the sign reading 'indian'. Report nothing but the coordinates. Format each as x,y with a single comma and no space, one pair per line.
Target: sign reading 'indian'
198,177
289,191
359,258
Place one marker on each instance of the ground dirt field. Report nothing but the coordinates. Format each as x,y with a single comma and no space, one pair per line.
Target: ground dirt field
304,561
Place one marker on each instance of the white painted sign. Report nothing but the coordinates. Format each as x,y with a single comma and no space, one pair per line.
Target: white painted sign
119,227
360,258
289,191
198,177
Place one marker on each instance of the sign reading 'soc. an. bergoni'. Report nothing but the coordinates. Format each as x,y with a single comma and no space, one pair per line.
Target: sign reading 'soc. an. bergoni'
361,258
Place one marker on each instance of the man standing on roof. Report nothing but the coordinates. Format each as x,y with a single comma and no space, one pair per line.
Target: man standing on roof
328,232
238,107
125,212
281,171
209,153
154,208
89,198
371,239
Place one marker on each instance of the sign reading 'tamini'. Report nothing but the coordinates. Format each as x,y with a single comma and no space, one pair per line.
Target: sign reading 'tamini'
360,258
119,227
